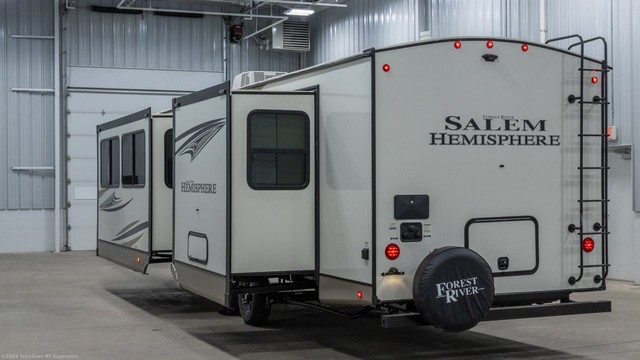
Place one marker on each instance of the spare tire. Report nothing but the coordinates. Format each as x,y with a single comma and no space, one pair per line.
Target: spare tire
453,288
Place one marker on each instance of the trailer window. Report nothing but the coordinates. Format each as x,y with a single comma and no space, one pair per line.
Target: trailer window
133,159
110,162
168,158
278,150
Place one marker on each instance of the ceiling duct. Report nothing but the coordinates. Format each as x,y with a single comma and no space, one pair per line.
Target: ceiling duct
291,36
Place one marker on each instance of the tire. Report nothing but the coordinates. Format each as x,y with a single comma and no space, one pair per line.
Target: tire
225,311
254,308
453,288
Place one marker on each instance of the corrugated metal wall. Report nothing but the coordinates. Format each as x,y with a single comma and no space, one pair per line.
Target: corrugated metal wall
340,32
143,41
26,118
501,18
150,41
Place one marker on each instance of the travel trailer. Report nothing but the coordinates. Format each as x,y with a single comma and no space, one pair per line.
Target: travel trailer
445,182
135,177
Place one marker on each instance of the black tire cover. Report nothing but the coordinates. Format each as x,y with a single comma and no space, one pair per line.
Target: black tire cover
453,288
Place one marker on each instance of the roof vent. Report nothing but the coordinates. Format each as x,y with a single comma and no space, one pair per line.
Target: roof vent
291,36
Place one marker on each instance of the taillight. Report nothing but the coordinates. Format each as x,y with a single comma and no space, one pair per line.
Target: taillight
588,244
392,251
457,44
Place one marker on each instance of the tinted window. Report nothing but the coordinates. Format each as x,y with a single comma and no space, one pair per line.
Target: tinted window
278,150
133,159
110,162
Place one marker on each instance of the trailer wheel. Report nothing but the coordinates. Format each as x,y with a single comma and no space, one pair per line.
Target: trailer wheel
453,288
254,307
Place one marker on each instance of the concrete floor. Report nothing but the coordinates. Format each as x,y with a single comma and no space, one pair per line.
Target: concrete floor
84,307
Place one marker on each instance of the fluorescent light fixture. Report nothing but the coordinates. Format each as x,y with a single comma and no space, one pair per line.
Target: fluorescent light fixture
299,12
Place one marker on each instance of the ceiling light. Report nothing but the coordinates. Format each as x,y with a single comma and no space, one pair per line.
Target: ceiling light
299,12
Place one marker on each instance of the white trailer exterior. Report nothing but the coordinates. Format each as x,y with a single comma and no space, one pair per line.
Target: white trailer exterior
453,181
134,189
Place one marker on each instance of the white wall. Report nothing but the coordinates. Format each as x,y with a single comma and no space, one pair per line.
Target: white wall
26,230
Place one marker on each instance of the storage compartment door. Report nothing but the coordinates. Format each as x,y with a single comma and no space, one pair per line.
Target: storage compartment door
509,244
274,183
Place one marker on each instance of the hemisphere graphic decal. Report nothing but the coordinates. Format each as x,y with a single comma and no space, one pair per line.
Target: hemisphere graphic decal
199,137
112,203
131,230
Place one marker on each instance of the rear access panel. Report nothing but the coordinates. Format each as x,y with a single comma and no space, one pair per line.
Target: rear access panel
509,244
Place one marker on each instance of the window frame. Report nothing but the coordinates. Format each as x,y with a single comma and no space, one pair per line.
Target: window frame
133,133
306,151
168,175
117,178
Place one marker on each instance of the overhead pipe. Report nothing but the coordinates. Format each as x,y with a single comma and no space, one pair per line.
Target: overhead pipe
212,13
280,18
315,3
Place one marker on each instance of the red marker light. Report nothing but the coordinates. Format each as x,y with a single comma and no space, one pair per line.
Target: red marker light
359,294
594,80
386,67
524,47
588,244
489,44
457,44
392,251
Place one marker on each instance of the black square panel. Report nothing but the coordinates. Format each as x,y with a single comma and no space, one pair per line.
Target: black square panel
411,207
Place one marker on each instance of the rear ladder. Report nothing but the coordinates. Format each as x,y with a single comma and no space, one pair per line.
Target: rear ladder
599,228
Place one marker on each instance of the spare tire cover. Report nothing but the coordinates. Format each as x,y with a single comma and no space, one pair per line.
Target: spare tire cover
453,288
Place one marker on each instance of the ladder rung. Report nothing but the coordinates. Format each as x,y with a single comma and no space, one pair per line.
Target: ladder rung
602,70
593,266
594,102
593,135
595,233
594,168
594,200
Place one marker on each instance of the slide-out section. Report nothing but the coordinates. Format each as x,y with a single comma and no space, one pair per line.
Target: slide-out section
124,201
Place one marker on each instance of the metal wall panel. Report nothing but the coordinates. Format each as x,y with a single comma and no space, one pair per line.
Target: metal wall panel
26,118
500,18
145,41
340,32
467,17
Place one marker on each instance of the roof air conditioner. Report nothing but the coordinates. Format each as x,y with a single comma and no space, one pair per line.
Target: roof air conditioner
252,77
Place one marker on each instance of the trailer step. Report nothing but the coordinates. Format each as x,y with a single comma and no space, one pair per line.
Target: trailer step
510,312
